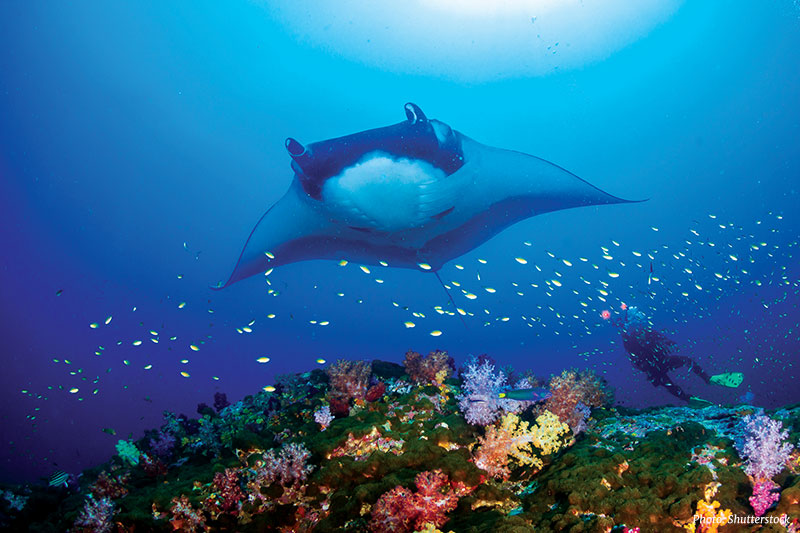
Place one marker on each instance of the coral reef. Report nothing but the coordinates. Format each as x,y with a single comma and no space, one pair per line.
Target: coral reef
421,456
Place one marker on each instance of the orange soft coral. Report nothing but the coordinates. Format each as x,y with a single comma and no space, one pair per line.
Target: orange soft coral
708,515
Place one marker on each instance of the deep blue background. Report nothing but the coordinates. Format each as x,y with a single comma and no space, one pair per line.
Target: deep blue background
129,130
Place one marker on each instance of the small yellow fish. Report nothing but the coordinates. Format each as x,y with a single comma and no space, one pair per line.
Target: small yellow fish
262,360
321,361
269,388
185,374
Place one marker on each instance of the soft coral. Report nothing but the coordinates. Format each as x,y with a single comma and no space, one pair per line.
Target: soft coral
398,510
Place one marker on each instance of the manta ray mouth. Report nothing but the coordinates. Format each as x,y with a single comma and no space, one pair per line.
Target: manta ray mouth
385,193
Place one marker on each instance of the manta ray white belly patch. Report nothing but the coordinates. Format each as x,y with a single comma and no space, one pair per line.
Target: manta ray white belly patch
387,194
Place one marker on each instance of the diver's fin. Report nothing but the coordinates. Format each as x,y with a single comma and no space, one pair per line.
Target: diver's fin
728,379
699,403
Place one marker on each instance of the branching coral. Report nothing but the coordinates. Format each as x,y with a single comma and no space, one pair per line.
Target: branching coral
185,517
572,393
96,517
708,515
323,417
227,496
163,445
433,368
401,511
763,446
349,380
128,452
766,454
480,401
287,466
362,448
516,443
109,487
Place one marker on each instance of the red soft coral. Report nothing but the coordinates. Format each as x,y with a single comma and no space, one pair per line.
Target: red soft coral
401,511
348,380
391,513
376,392
433,368
109,487
227,496
433,500
572,388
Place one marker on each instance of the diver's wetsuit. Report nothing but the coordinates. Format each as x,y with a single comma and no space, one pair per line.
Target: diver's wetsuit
651,352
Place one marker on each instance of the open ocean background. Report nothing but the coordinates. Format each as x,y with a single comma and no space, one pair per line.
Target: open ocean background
140,142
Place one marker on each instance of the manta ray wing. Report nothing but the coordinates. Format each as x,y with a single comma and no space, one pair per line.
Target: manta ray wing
414,192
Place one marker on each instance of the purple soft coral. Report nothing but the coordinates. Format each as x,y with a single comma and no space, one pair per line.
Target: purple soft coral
480,401
766,453
763,447
162,445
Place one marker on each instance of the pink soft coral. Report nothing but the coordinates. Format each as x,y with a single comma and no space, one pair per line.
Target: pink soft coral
400,510
764,496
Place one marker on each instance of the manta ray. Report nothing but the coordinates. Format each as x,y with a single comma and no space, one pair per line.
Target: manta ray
412,195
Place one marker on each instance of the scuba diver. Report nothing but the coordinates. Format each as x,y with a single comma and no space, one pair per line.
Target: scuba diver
652,352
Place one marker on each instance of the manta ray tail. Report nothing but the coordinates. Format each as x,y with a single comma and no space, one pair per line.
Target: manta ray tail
450,297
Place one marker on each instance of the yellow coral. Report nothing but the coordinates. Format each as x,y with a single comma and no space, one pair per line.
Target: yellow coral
707,515
516,441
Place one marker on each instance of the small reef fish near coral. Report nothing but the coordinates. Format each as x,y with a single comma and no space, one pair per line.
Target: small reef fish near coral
376,446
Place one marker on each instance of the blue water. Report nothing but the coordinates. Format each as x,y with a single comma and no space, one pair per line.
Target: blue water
140,143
